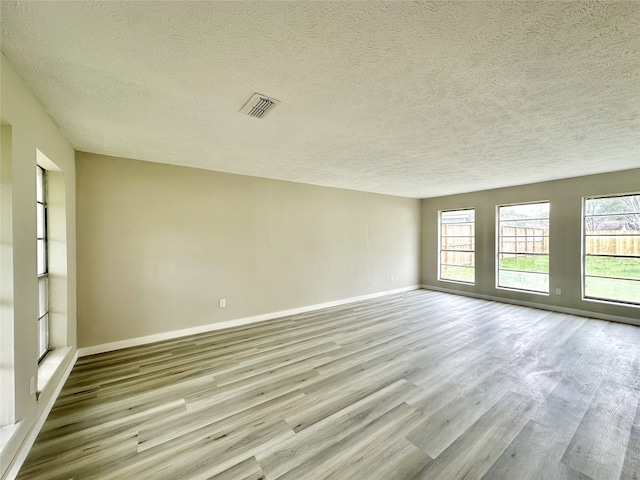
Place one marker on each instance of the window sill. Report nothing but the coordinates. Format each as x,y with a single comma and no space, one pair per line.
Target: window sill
49,366
6,433
459,282
611,302
517,290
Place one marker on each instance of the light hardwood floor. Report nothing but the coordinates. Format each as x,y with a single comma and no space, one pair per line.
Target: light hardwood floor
423,385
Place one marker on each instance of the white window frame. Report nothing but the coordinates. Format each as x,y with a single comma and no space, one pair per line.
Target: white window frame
442,251
586,255
500,252
43,337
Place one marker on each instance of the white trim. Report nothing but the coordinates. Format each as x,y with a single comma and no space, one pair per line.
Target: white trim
553,308
611,302
158,337
457,282
7,432
49,366
522,290
27,443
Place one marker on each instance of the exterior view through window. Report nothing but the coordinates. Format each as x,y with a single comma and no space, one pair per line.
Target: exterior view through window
523,247
43,263
612,248
457,246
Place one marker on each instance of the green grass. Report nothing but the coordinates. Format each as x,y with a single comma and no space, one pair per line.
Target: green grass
613,267
534,263
612,289
622,288
520,272
524,280
601,266
459,274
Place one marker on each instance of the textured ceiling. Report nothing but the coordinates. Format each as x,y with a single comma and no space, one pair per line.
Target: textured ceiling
412,99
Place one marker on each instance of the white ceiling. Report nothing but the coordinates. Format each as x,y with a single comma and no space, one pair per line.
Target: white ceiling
404,98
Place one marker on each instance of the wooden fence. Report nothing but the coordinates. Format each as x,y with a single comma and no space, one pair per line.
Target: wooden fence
532,240
523,240
457,236
613,242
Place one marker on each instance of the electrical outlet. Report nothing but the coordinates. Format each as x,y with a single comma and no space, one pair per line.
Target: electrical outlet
558,291
223,302
391,279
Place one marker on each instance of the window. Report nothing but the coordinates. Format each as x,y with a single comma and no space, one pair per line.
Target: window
612,248
457,246
523,247
43,263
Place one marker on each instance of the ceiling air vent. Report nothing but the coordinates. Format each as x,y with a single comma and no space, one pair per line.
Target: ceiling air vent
258,105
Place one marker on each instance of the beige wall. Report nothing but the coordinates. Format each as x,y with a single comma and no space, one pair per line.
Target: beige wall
26,127
159,245
564,243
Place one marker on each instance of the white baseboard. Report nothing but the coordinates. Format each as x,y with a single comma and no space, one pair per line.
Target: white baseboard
20,456
133,342
542,306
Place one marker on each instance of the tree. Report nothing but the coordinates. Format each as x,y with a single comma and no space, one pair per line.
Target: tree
612,213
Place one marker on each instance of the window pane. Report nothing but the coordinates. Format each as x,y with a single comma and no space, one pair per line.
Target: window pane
537,282
613,267
458,216
461,274
521,229
42,257
612,205
525,221
43,335
612,245
458,243
612,224
466,259
612,289
458,230
40,225
43,295
39,185
528,211
524,263
523,244
534,227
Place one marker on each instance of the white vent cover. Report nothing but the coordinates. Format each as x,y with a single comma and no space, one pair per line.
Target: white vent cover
258,105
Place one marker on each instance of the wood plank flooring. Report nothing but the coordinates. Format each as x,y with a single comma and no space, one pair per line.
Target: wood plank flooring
423,385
